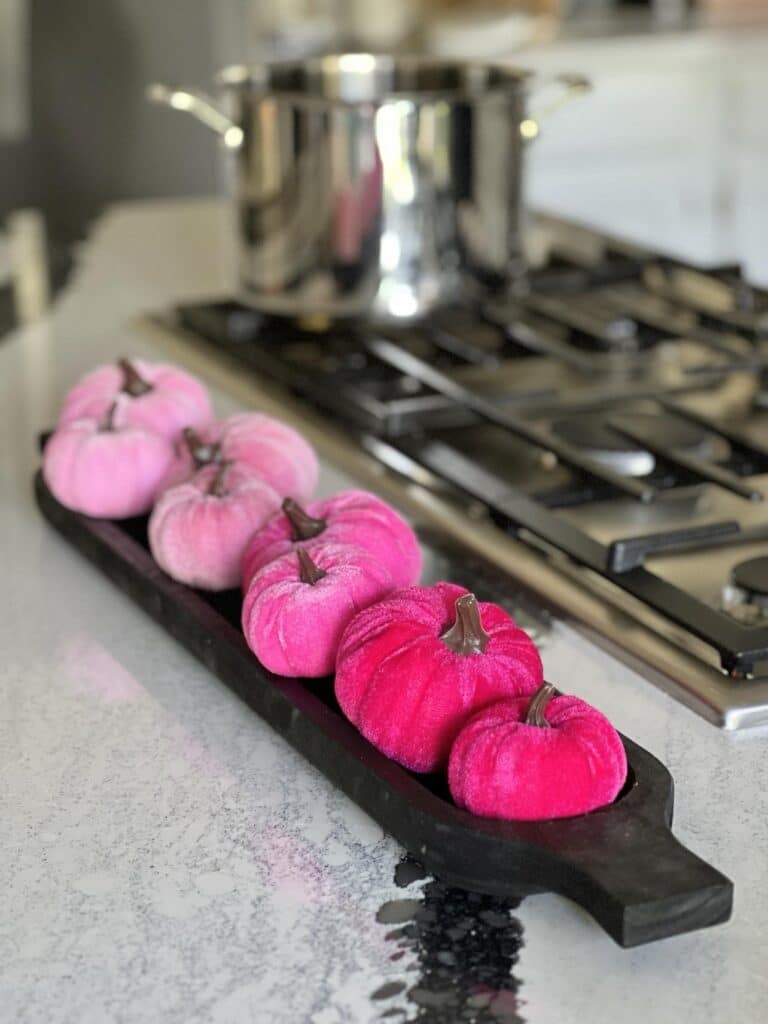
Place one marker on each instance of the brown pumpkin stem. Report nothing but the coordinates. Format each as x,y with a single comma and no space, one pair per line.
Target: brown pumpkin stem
133,383
303,526
539,701
466,635
108,421
202,453
218,488
309,572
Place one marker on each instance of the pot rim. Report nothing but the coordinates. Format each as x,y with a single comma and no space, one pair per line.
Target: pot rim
366,79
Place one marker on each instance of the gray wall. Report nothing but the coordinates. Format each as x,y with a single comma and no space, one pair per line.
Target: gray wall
13,70
14,103
92,136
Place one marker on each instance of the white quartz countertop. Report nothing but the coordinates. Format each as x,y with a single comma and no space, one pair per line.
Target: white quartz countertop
165,857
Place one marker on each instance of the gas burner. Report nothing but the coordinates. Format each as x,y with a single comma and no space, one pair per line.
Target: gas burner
745,598
752,578
593,436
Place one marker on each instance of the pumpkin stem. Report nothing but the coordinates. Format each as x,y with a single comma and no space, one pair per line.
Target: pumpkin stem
303,526
202,453
218,489
133,383
466,635
539,701
108,420
309,572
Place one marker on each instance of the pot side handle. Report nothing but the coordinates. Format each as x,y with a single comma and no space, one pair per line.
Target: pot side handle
571,87
200,106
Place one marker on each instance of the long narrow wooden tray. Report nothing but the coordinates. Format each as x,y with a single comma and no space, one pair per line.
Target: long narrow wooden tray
621,863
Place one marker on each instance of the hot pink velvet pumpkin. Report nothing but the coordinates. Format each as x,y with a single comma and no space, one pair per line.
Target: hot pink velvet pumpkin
352,517
413,667
155,396
198,529
272,450
529,759
297,606
105,470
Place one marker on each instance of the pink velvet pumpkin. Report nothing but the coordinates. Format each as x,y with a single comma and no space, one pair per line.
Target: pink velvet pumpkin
272,450
352,517
413,667
107,471
297,607
198,529
155,396
529,759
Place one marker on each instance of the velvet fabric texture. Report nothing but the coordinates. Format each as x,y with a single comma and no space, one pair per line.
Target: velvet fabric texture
294,627
173,399
407,691
107,472
351,517
272,450
502,768
198,537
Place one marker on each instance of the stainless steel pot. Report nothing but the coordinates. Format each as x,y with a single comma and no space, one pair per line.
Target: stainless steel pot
370,185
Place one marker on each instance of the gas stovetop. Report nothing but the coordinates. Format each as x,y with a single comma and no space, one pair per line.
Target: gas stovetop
612,417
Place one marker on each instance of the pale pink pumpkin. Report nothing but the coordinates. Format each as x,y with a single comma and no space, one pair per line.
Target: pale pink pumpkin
107,471
271,449
413,667
529,759
296,607
155,396
198,529
352,517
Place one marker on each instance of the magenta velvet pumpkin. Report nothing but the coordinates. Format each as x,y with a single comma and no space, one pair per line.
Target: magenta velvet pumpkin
413,667
297,607
198,529
155,396
272,450
530,759
352,517
105,470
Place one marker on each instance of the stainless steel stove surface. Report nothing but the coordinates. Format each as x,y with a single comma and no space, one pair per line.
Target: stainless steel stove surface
613,419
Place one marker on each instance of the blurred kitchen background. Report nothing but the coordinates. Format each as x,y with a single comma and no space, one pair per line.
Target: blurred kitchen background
670,149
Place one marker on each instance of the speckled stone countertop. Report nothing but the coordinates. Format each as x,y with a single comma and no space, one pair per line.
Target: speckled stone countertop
165,857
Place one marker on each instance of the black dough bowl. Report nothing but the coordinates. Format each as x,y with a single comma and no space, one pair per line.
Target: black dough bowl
621,863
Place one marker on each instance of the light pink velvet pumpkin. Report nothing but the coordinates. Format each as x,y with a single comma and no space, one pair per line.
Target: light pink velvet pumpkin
155,396
297,606
413,667
105,470
529,759
198,529
272,450
352,517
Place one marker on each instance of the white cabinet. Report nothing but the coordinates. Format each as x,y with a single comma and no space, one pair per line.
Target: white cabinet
671,147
